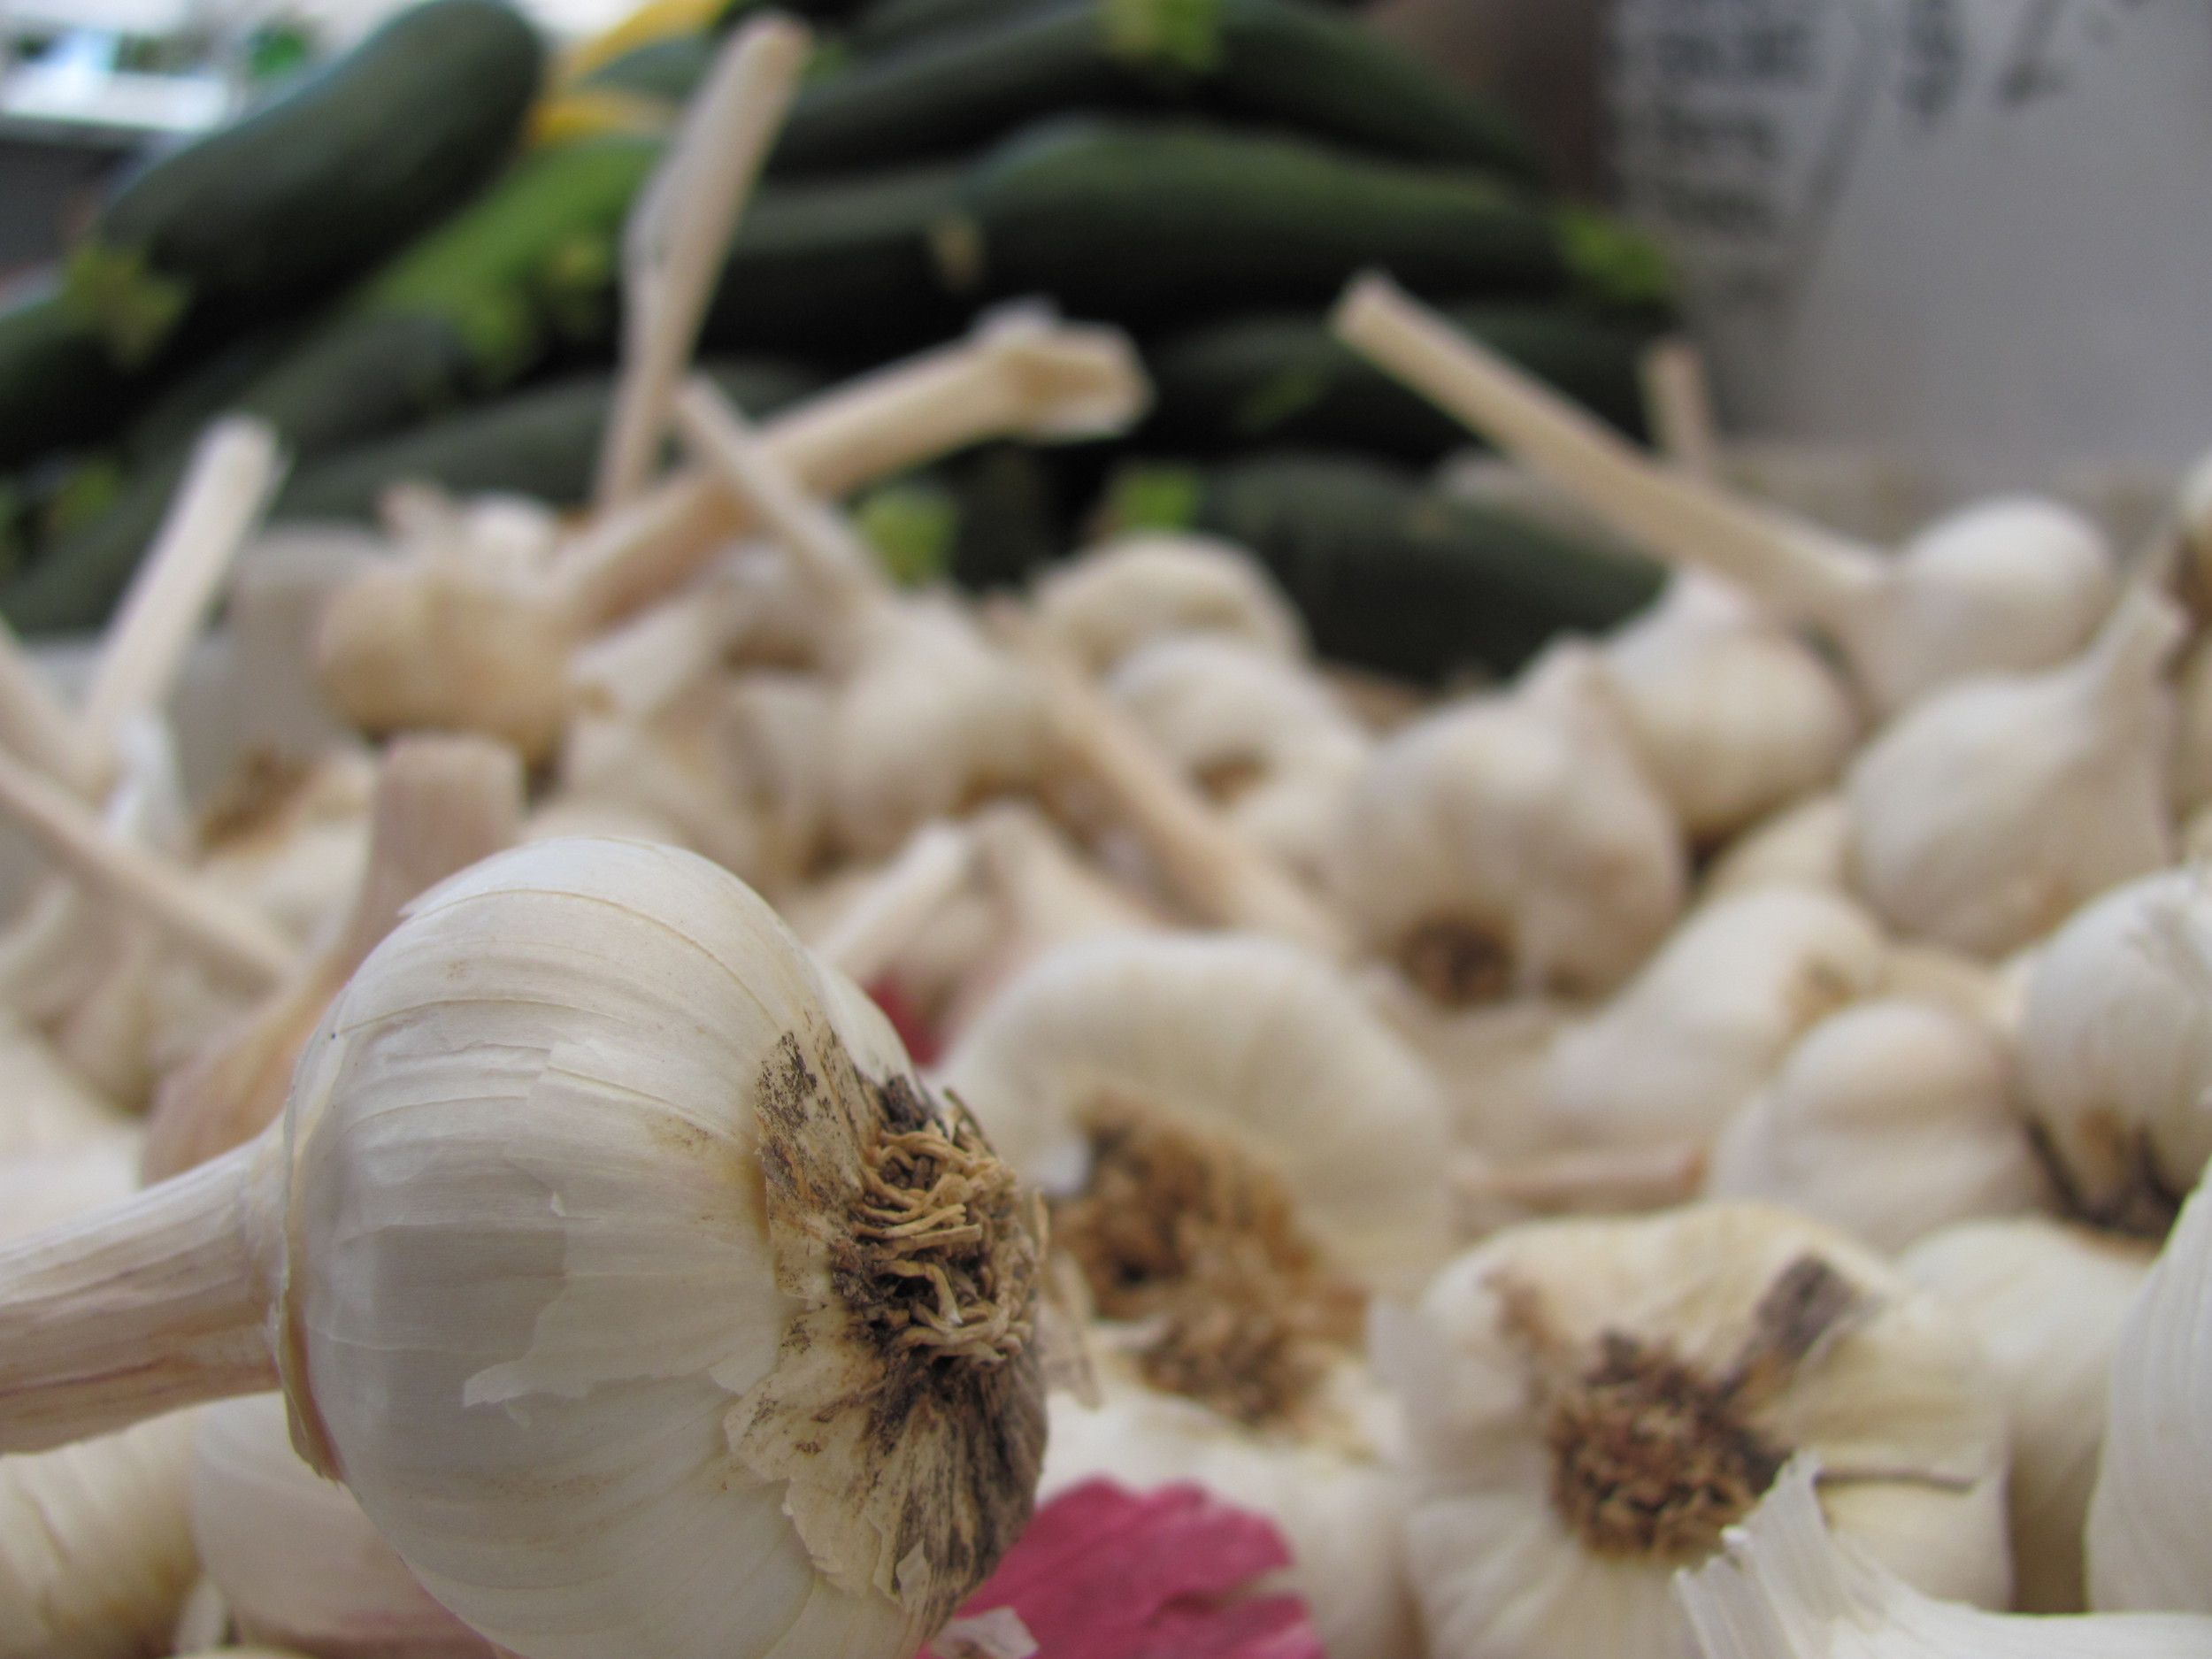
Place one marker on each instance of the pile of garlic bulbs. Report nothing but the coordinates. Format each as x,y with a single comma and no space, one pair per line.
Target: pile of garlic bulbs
734,1078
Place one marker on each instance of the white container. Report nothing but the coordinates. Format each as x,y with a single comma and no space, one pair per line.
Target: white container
1977,232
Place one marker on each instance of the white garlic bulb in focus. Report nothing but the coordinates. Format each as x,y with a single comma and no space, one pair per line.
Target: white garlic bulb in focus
2116,1049
1989,811
1887,1120
1709,1019
1511,843
1731,714
2044,1300
1112,598
1590,1403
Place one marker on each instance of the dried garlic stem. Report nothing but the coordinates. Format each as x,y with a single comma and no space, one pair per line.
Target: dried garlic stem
157,1302
1213,868
1813,571
679,229
235,941
1613,1181
1679,406
937,860
36,725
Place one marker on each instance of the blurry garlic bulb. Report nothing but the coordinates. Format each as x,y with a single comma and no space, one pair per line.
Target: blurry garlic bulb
1263,737
291,837
1488,1060
1511,844
47,1106
1987,813
1246,1038
2191,771
676,767
1590,1403
571,1160
2148,1549
2044,1300
1329,1484
96,1548
1804,845
775,733
1886,1120
1786,1587
293,1555
1709,1017
1114,597
2116,1049
1731,715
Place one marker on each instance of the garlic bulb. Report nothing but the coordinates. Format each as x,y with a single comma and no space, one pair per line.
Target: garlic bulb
1110,599
1246,1038
1329,1484
675,768
579,1213
2192,768
1731,715
1786,1587
290,838
1803,844
47,1106
2116,1049
1990,811
1488,1061
1886,1120
1590,1403
96,1548
1511,843
1709,1019
2045,1301
1261,736
2147,1546
293,1555
38,1189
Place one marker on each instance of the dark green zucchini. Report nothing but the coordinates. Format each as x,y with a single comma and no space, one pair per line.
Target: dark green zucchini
58,387
1283,377
1148,224
669,69
464,314
313,189
542,441
893,24
1282,62
1394,577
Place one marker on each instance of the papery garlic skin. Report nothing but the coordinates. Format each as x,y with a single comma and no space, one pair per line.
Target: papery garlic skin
2116,1049
1987,813
2148,1548
1331,1490
96,1549
1239,1034
2044,1300
1787,1587
1731,715
1506,1358
1511,843
1116,597
1709,1019
1887,1120
547,1094
1264,736
299,1564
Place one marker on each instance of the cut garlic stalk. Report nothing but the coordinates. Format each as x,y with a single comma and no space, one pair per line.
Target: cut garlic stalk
1511,844
2148,1549
1992,810
1591,1403
1886,1120
2044,1300
2008,586
2115,1050
611,1254
1243,1037
1112,598
1709,1019
1786,1587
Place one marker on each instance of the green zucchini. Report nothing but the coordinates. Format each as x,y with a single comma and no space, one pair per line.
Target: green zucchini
58,387
542,441
892,24
669,69
1282,62
465,313
1150,223
314,188
1283,377
1397,578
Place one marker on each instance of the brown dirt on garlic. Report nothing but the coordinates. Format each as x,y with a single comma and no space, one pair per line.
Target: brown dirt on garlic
2124,1191
1182,1231
1652,1457
1458,963
906,1408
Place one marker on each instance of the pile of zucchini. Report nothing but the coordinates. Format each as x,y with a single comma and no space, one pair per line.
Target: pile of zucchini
408,267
